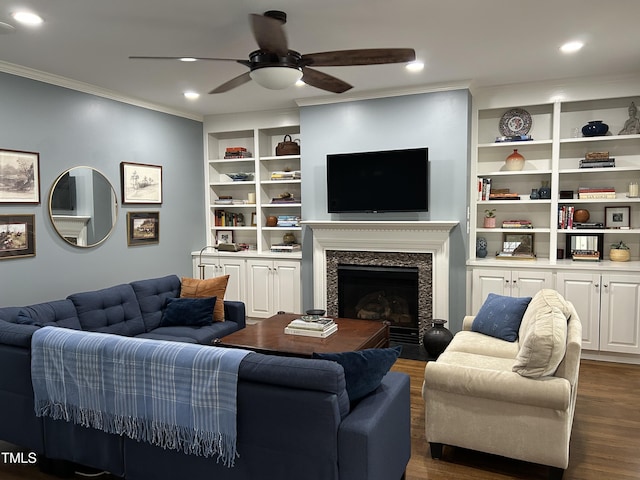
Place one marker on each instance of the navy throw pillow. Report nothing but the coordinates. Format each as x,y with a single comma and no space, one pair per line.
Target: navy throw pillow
363,369
500,316
190,312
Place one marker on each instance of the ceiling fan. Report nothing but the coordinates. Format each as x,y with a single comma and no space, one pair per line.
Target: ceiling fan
274,66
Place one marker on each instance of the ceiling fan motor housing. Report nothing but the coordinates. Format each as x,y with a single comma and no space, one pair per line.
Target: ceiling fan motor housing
261,59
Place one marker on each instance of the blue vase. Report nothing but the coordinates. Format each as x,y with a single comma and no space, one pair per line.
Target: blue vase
544,192
481,247
595,128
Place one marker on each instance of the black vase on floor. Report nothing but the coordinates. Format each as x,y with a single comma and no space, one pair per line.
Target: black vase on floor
436,338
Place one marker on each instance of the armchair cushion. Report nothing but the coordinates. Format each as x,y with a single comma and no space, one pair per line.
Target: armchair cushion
500,316
544,344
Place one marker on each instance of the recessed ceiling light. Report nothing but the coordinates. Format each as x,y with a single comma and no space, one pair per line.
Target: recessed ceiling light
191,95
571,47
27,18
415,66
188,59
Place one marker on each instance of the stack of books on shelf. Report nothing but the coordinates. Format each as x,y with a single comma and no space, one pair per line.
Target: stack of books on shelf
288,221
228,219
597,160
286,175
502,194
237,152
286,247
585,255
517,224
321,327
285,200
590,193
566,220
514,138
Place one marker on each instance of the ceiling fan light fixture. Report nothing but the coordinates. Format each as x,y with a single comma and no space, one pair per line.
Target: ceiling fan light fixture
415,66
276,78
27,18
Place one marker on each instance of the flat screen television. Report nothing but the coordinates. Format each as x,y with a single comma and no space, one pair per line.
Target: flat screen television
384,181
64,195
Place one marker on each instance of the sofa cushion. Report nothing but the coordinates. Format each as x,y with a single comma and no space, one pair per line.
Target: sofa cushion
110,310
363,369
193,312
544,344
480,344
211,287
57,313
152,295
545,298
202,335
500,316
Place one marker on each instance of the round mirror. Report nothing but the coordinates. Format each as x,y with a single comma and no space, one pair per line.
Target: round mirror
83,206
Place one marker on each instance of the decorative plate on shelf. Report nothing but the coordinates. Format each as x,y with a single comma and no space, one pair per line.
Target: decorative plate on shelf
516,121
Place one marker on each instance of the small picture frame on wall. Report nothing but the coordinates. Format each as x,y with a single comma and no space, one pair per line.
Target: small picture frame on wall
143,228
17,236
224,236
617,217
141,183
19,176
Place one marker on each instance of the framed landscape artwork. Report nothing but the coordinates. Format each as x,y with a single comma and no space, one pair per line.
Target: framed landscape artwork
19,177
141,183
143,228
17,236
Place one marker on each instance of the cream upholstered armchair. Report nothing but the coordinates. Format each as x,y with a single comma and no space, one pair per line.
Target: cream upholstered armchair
510,398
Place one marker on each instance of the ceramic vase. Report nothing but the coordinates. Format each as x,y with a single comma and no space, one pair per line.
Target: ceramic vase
489,222
436,338
481,247
514,162
595,128
544,192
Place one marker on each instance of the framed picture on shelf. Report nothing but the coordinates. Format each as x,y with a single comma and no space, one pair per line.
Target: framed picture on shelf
224,236
17,236
141,183
617,217
143,228
585,246
19,177
253,219
517,245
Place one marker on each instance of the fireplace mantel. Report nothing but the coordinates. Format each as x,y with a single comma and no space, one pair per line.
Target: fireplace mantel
392,236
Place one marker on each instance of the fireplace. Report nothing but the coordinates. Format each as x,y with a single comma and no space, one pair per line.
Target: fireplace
381,293
421,244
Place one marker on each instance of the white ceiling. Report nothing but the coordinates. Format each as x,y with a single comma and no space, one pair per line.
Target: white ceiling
487,42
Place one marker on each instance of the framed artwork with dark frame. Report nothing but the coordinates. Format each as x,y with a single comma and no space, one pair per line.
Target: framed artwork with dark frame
585,245
224,236
517,245
143,228
17,236
141,183
617,217
19,176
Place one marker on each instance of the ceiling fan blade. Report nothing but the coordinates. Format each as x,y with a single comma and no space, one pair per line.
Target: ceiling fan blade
324,81
233,83
243,62
368,56
269,34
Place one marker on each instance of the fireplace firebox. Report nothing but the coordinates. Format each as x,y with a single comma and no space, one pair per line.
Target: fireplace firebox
381,293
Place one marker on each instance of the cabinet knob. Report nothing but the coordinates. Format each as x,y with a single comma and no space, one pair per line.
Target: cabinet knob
596,285
606,285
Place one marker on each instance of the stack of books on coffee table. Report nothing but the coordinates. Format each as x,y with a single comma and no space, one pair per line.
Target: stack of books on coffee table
318,327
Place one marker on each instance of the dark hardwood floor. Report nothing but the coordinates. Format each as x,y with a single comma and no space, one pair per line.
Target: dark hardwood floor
605,443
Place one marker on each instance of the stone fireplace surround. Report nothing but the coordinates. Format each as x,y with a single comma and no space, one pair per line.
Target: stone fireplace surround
390,237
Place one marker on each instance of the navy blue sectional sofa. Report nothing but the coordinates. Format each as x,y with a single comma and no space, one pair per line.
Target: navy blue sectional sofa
294,417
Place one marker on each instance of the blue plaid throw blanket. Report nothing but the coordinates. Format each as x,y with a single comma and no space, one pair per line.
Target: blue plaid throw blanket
175,395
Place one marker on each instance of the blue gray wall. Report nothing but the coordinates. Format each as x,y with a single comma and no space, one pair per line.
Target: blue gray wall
439,121
70,128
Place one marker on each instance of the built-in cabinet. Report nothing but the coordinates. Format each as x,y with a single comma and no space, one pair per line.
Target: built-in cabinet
240,209
605,293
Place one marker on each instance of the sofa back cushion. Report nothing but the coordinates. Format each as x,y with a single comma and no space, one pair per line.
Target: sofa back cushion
110,310
152,295
58,313
544,299
544,344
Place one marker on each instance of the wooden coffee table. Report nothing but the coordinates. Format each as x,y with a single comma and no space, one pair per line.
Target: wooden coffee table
267,336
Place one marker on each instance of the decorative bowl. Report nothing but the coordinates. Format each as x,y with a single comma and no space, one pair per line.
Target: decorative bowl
315,311
239,177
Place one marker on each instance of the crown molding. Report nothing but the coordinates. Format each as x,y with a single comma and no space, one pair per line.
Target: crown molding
64,82
384,93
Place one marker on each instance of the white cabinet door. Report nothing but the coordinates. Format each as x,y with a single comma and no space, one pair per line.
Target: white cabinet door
526,283
235,268
260,288
286,286
620,314
583,291
486,281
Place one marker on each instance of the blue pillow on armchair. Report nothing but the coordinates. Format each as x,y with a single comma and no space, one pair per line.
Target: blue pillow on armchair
190,312
500,316
363,369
